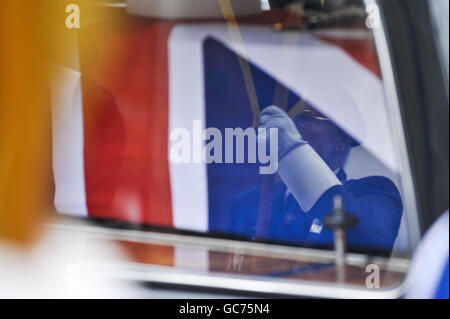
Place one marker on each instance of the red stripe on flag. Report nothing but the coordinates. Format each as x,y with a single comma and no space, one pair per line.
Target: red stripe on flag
126,122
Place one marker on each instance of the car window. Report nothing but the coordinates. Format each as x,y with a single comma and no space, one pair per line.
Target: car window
253,125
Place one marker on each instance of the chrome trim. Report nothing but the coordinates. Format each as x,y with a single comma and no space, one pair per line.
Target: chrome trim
233,282
407,182
228,245
242,283
140,272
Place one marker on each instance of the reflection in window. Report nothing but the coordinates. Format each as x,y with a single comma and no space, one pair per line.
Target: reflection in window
306,68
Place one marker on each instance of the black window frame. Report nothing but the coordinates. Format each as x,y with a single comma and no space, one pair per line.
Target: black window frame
423,102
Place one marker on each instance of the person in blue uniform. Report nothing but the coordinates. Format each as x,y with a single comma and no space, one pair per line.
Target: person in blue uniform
312,153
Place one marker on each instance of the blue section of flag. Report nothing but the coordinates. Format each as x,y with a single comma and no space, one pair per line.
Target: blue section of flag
228,106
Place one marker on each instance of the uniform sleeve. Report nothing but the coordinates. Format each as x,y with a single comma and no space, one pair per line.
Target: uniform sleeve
377,204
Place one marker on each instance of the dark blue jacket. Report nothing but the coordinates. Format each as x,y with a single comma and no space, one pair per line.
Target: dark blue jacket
374,200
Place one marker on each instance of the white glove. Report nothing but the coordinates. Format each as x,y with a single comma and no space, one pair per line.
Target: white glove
288,135
302,170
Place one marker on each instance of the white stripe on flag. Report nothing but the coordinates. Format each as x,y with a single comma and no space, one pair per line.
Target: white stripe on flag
188,182
68,144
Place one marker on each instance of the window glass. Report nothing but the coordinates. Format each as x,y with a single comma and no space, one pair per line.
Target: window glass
251,124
